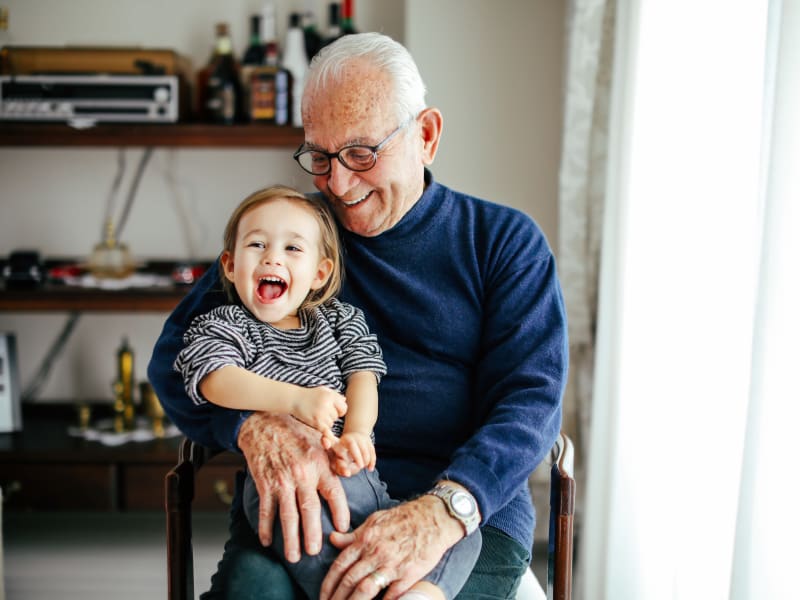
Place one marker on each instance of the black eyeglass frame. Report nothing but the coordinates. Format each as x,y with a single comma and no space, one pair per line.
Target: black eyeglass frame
374,150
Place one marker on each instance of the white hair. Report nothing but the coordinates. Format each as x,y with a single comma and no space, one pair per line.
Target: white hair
384,54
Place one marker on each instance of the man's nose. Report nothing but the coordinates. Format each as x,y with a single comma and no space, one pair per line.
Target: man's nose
340,179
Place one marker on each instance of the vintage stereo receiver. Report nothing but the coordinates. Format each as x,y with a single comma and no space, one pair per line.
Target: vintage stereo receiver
94,98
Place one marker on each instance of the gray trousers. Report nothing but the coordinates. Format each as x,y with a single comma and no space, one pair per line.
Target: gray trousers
366,493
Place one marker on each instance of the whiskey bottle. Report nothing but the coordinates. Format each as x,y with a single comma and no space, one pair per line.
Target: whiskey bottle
252,58
224,91
269,83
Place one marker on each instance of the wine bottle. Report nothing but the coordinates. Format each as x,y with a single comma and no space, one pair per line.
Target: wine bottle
269,83
348,18
224,94
296,62
252,58
334,31
313,40
254,53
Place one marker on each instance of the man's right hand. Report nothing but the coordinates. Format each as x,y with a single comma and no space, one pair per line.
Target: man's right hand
291,470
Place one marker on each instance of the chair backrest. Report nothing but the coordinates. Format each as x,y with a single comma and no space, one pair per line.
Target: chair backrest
562,512
179,485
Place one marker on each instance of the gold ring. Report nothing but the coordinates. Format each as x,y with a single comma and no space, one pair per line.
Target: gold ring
379,579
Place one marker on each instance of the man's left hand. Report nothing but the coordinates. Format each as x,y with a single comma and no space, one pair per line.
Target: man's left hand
393,548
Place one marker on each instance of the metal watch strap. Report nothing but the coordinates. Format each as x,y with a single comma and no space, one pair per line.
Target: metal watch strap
446,492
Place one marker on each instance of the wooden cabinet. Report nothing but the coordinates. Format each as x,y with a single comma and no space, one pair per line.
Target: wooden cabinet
43,467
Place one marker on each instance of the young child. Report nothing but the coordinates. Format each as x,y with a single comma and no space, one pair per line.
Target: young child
286,345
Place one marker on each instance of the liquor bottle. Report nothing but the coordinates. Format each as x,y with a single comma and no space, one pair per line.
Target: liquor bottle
296,62
252,58
224,91
254,53
334,30
269,83
313,40
348,18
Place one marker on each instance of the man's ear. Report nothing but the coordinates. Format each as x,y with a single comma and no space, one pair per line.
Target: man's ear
430,121
324,271
227,264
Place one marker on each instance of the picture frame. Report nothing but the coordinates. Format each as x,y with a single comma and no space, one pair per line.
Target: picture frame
10,408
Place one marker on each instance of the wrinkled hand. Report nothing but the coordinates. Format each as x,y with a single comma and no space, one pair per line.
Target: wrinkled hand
289,468
351,453
402,544
319,407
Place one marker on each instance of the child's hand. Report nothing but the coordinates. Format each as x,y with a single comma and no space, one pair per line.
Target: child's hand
319,407
353,451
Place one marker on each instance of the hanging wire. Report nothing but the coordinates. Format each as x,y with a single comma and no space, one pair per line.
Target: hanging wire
112,195
43,372
126,209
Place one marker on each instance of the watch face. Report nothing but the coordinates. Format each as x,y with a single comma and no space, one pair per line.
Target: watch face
462,504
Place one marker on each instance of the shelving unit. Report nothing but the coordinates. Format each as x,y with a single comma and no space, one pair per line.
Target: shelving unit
65,299
180,135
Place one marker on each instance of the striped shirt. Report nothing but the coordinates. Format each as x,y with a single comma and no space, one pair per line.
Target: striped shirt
332,343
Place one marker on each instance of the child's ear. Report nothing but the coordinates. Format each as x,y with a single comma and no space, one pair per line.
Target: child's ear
324,271
227,264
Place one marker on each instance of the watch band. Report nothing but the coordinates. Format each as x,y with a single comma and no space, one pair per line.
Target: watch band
461,505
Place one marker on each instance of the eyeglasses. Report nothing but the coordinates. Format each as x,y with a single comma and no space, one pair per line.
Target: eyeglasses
357,157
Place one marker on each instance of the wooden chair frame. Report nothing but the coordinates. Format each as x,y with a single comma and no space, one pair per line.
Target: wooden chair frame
179,486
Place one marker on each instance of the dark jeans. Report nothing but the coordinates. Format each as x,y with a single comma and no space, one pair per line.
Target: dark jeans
250,571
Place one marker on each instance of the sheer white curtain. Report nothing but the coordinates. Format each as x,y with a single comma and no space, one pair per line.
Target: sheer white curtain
582,179
691,478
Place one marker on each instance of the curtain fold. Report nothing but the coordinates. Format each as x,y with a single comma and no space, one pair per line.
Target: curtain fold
581,193
690,490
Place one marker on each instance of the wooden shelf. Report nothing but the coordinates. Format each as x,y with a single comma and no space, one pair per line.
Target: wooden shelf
54,296
69,299
132,134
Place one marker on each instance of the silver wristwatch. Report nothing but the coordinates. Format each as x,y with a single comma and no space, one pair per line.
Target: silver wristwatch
460,504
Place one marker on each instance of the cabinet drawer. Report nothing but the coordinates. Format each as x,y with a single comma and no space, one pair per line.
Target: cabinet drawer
44,486
143,487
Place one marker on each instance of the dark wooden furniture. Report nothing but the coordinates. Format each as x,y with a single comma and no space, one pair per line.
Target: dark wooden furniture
179,488
562,514
43,467
157,135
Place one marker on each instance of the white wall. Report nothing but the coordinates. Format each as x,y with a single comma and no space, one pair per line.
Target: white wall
493,67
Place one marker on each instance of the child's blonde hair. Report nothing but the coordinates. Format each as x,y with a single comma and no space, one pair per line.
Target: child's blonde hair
330,246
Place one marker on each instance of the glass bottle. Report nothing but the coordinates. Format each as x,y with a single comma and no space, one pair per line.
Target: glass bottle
296,62
334,30
224,95
269,83
252,58
313,40
348,18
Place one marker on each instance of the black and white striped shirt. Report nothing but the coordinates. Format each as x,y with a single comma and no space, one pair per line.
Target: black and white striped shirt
332,343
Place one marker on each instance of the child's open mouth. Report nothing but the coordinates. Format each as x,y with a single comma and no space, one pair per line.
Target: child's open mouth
270,288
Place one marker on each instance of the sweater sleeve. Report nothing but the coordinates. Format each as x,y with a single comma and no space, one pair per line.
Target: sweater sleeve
521,372
359,348
206,424
214,340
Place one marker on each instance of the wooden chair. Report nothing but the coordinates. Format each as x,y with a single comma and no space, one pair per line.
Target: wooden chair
179,487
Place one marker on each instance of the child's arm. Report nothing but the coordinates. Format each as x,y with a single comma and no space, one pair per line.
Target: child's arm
355,445
236,387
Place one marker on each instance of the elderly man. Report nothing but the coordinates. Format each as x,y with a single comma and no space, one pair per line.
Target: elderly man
464,297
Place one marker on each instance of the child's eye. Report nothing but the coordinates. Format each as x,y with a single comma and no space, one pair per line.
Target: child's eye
292,248
255,245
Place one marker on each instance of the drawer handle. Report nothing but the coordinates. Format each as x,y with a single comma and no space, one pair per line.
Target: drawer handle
222,491
11,488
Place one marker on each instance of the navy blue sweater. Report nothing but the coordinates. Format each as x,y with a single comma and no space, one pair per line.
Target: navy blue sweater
464,298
